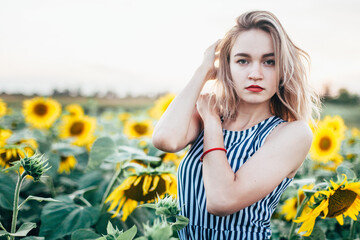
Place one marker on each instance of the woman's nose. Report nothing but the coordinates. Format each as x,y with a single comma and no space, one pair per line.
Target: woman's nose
255,73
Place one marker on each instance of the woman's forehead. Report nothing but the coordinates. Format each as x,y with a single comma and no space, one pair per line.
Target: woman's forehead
253,42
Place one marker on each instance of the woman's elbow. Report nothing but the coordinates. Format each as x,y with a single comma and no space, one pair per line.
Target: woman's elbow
164,143
219,208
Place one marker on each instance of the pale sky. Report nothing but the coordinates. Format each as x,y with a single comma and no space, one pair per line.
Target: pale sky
152,46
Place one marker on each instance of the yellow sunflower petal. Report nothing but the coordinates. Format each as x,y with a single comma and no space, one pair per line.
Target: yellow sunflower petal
137,181
118,208
307,227
155,183
128,208
146,184
167,180
340,219
115,202
334,185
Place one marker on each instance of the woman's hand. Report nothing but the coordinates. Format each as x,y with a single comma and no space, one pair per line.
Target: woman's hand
210,56
206,107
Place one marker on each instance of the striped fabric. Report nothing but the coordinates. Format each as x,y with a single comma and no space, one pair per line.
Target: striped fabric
252,222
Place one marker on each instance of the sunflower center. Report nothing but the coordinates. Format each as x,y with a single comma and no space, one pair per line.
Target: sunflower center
136,192
77,128
40,109
63,159
7,157
325,143
140,128
340,202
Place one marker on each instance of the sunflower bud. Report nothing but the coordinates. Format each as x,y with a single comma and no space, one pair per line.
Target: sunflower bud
35,165
167,206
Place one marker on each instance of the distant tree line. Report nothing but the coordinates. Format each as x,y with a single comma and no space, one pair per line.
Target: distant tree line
343,97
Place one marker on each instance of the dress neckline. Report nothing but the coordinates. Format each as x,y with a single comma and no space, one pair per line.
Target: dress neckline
250,128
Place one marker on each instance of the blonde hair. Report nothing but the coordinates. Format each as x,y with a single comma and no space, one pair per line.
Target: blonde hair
294,99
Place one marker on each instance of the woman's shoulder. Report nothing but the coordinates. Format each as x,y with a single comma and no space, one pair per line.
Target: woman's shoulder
296,130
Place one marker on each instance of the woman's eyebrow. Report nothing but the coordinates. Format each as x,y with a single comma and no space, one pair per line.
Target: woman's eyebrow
248,55
268,55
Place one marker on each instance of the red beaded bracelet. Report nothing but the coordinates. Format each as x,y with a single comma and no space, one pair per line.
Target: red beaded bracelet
210,150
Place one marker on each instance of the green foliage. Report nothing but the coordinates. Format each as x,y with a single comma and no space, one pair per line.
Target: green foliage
88,234
59,219
7,188
115,234
317,234
101,149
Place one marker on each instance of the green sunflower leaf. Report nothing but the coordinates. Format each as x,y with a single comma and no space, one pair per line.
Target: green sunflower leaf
342,169
54,161
146,158
131,150
110,229
15,167
128,234
101,149
7,189
59,219
33,238
118,157
3,233
24,229
162,233
66,149
308,193
88,234
317,234
180,223
39,199
149,205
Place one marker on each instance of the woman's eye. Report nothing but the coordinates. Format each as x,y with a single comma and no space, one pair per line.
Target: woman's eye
270,62
242,61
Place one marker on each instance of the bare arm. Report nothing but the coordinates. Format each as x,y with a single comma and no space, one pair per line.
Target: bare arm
282,153
181,123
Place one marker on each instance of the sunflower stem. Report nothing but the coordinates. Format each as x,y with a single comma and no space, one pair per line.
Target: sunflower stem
139,225
84,201
298,212
51,187
16,201
352,229
110,186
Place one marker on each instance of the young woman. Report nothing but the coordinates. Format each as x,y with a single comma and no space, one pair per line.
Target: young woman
247,140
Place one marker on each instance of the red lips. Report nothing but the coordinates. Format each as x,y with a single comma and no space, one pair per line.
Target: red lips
254,88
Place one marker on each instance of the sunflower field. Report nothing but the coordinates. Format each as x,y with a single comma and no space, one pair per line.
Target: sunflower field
69,173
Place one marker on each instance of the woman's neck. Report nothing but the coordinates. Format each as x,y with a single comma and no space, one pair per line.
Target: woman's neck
248,115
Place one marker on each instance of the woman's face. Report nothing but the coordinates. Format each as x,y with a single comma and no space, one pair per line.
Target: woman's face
252,66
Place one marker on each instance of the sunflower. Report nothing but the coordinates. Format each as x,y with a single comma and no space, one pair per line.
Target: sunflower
326,144
41,112
3,108
81,128
137,129
337,124
290,206
108,115
173,157
161,105
74,110
140,188
339,201
355,132
67,163
12,153
89,144
331,165
124,116
4,135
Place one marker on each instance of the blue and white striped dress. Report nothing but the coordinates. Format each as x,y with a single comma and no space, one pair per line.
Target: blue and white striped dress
252,222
